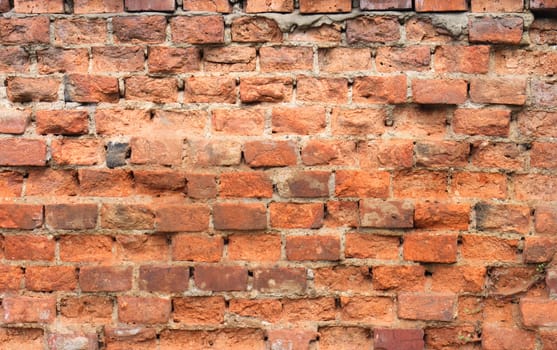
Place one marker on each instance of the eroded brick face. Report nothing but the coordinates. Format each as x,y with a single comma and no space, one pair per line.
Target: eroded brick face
278,174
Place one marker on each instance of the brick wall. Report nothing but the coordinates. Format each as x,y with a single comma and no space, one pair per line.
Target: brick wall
278,174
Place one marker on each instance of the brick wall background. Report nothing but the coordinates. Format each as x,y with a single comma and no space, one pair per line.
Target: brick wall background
278,174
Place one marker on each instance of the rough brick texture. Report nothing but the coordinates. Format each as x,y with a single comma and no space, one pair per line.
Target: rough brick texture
278,174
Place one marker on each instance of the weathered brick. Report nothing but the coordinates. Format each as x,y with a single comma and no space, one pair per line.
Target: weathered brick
458,279
441,5
168,60
249,122
29,247
390,339
362,245
105,279
352,183
246,184
210,90
442,216
186,217
62,122
492,30
14,60
33,89
498,155
127,216
399,278
21,216
77,151
127,337
312,248
80,31
502,218
330,90
155,151
545,219
22,152
311,309
479,185
23,309
293,338
542,31
254,6
499,6
139,29
90,308
296,215
497,337
539,249
47,6
305,184
543,5
413,58
117,59
386,154
381,90
325,33
487,122
71,216
11,184
344,338
14,121
141,247
91,88
197,29
50,278
280,280
199,310
426,306
255,29
150,5
510,91
439,91
489,248
250,247
105,183
197,247
430,247
339,278
210,6
441,154
143,310
85,248
386,4
325,6
462,59
377,310
378,213
342,59
272,89
10,278
229,59
240,216
116,154
285,58
298,120
219,278
543,93
157,90
227,338
270,153
98,6
377,29
23,31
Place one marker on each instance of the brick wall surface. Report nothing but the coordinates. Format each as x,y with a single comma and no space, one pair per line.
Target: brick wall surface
278,174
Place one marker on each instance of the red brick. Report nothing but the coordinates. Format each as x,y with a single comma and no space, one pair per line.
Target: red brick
488,248
534,186
263,309
352,183
441,5
380,90
479,185
199,310
210,6
210,90
229,59
495,337
358,121
139,29
411,184
487,122
197,247
427,307
442,216
117,59
342,214
399,278
159,181
22,152
156,151
371,246
150,5
419,122
127,216
20,309
255,29
62,122
257,248
342,59
11,184
541,155
64,340
130,337
311,309
331,90
305,184
270,153
413,58
143,310
375,310
502,218
325,6
31,6
312,248
105,279
254,184
298,120
498,155
71,216
456,337
430,247
499,90
386,4
141,247
539,249
29,247
21,338
14,60
105,183
543,93
33,89
255,6
233,339
215,153
548,339
462,59
14,121
92,88
272,89
439,91
458,279
280,280
166,279
91,309
186,217
201,186
197,29
173,59
121,121
21,216
248,122
545,219
487,29
157,90
441,153
98,6
543,5
422,29
542,31
10,278
386,154
502,6
523,62
344,338
377,29
296,215
341,278
50,278
533,316
333,152
77,151
85,248
220,278
391,339
285,58
291,338
5,6
80,31
325,33
378,213
30,30
240,216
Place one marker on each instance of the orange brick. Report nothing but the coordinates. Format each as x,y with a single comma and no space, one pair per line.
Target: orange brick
248,122
351,183
199,310
430,247
296,215
256,248
312,248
